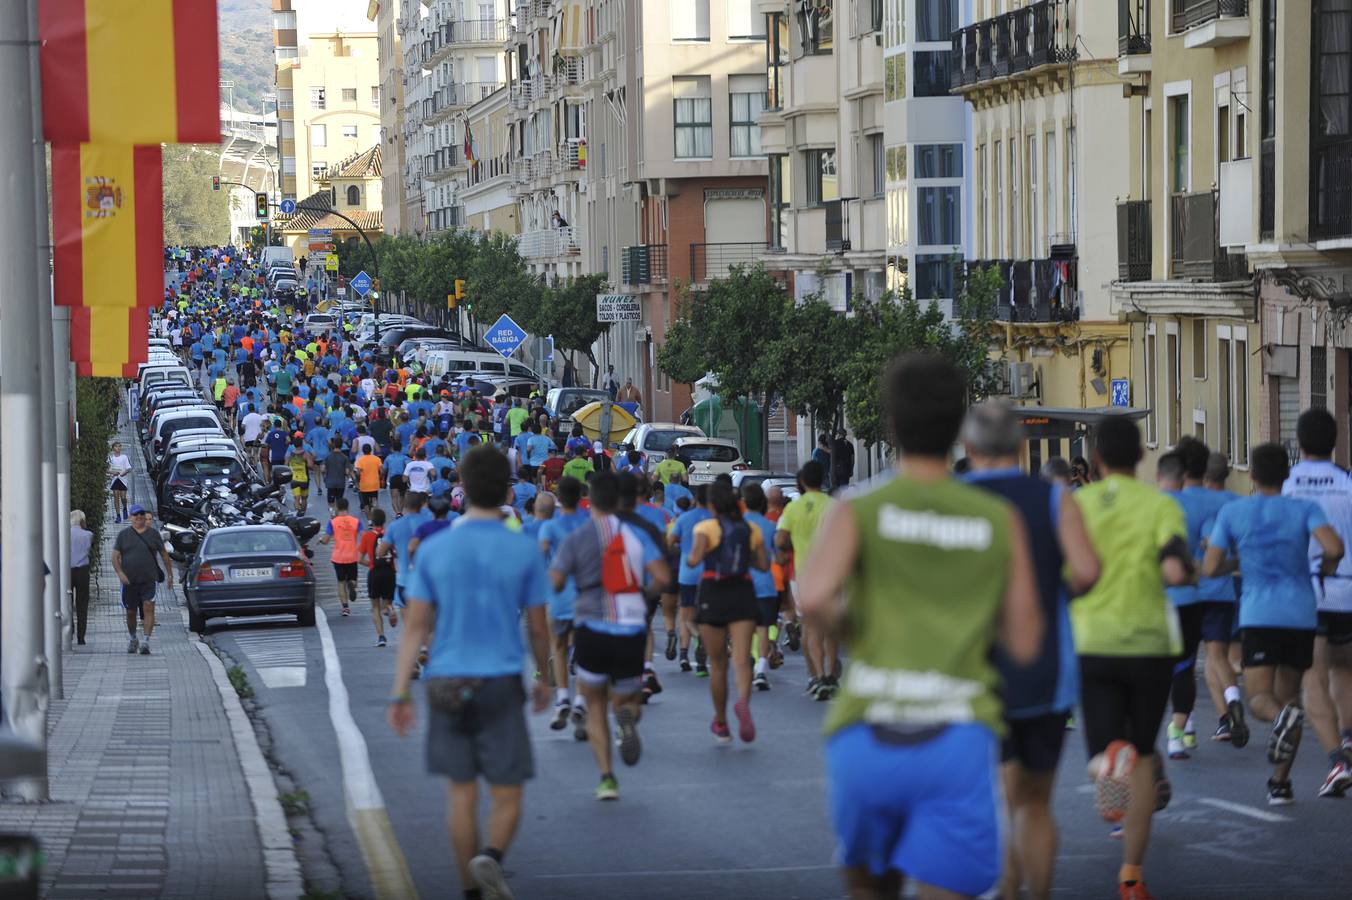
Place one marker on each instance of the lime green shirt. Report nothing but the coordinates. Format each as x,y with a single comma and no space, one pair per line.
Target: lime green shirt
668,470
1127,613
516,417
923,603
578,467
800,520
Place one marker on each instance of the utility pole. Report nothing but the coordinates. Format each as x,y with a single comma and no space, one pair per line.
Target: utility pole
65,402
23,668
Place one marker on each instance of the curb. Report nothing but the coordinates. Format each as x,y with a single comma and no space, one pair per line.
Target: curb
282,874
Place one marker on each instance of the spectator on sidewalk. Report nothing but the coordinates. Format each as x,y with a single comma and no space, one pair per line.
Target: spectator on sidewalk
81,540
139,571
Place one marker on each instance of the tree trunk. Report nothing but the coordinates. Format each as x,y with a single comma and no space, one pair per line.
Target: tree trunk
595,367
765,430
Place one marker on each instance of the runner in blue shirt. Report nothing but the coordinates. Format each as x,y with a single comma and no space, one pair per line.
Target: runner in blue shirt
683,536
767,594
553,532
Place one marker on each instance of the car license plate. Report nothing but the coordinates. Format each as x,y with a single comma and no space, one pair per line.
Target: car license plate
252,574
701,477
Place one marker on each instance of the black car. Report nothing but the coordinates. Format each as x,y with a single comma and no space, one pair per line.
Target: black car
249,570
197,467
391,338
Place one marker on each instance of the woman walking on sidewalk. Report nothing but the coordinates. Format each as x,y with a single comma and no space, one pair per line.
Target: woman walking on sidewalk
119,473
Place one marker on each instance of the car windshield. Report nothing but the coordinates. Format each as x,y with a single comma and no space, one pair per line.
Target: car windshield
209,467
571,401
180,424
251,541
661,441
709,453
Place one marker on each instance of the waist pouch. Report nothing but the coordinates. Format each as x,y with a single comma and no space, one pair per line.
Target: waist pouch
474,703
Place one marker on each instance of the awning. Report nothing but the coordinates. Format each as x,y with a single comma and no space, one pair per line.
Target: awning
1070,422
570,28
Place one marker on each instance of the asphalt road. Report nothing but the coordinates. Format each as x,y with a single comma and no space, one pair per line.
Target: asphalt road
696,820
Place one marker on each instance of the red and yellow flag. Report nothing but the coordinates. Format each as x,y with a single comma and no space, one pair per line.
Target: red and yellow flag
130,71
109,341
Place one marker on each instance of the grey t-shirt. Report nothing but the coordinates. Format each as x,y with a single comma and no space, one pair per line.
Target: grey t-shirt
580,555
335,469
139,554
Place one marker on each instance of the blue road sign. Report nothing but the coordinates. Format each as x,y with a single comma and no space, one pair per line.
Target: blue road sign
288,207
1121,392
505,336
361,283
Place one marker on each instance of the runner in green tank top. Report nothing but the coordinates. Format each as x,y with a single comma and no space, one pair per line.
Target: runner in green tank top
933,573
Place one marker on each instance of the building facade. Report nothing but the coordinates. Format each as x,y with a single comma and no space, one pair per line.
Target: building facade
488,193
399,215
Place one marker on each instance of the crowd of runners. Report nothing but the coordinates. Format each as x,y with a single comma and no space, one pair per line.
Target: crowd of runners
952,614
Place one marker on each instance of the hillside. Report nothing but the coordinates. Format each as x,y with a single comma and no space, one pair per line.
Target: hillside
246,50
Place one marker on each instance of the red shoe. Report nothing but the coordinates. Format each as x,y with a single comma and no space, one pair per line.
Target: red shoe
1136,890
394,617
1112,784
746,729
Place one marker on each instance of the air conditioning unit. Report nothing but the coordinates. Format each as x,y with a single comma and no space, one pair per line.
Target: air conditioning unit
1023,384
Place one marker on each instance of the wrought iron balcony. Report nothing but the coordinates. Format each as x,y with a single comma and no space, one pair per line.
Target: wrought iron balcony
1032,290
1195,252
1134,247
644,264
1191,13
1133,27
1004,46
714,260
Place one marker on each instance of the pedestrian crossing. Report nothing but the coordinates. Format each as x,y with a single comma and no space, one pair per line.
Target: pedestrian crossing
277,656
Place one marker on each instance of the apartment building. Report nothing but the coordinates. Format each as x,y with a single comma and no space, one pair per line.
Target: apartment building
1183,284
328,87
353,187
488,194
822,130
1048,158
399,217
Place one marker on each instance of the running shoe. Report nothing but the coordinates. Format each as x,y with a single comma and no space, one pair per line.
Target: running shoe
487,871
380,641
1279,793
650,683
630,746
721,733
685,664
1222,732
701,670
1164,789
608,789
145,646
776,658
347,610
701,655
1239,729
793,635
671,645
1286,733
394,617
814,684
827,689
1116,832
1337,781
579,723
746,728
1133,890
1189,740
133,645
1176,748
562,711
1112,780
761,682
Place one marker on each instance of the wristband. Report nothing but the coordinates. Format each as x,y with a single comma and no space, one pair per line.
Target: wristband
402,698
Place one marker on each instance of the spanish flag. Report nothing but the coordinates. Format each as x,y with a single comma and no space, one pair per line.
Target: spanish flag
109,341
129,71
107,225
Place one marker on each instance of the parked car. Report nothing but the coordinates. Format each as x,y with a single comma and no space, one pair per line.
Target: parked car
196,467
318,323
249,570
392,337
766,479
706,458
562,402
654,439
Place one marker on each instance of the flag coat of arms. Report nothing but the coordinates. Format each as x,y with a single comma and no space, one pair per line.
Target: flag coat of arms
129,71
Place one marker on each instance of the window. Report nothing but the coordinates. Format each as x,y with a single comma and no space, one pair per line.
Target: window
878,154
286,98
983,198
317,99
319,135
353,195
288,165
1269,107
938,161
931,73
933,276
896,163
1072,160
997,209
936,20
287,53
375,95
894,78
690,20
746,96
693,117
1199,349
1178,136
1034,214
776,57
1173,396
349,95
894,23
1222,134
939,211
350,132
744,23
1319,376
869,16
823,184
816,26
780,179
317,169
1232,369
288,127
1015,212
284,20
898,234
1151,362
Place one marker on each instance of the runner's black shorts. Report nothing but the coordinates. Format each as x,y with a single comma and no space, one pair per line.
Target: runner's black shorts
1035,742
1290,647
398,483
345,571
1218,621
689,595
767,611
369,498
722,602
1336,626
1122,698
609,659
380,583
334,493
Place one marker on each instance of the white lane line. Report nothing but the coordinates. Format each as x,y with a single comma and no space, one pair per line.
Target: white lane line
390,875
1241,809
278,657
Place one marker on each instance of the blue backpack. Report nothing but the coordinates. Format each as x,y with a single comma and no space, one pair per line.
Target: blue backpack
731,560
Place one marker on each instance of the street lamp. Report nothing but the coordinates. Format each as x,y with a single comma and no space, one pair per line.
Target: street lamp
375,260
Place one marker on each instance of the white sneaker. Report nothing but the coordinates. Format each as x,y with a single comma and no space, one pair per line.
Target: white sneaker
145,646
132,644
488,873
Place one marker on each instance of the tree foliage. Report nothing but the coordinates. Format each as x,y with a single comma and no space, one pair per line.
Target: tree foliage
568,311
194,214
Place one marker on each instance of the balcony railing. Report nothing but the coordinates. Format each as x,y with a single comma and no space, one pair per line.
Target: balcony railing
572,156
1133,27
478,31
644,264
1331,190
1191,13
837,226
1014,42
1195,251
549,243
714,260
1134,260
1032,290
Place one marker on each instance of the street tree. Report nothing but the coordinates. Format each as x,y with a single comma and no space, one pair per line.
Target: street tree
811,358
497,282
193,212
568,311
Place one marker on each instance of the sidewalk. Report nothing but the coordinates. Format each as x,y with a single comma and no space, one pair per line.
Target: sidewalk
149,797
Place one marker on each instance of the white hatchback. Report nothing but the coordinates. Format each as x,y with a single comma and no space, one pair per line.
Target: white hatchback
706,458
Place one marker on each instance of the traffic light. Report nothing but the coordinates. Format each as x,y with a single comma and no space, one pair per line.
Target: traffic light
460,289
261,206
215,182
450,301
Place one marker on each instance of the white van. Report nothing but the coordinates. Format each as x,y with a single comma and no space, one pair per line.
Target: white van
475,362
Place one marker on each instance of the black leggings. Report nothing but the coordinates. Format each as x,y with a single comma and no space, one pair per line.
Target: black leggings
1123,698
1183,694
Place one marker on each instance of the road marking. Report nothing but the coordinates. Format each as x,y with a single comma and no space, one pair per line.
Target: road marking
1241,809
668,873
278,656
385,862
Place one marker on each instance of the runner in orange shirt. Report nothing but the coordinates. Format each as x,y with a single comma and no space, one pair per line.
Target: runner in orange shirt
369,471
343,531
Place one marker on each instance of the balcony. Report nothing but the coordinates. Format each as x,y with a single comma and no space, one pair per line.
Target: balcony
1134,247
440,165
1195,251
549,243
572,156
492,32
1010,44
1133,34
644,264
1331,190
715,260
1032,290
1210,23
